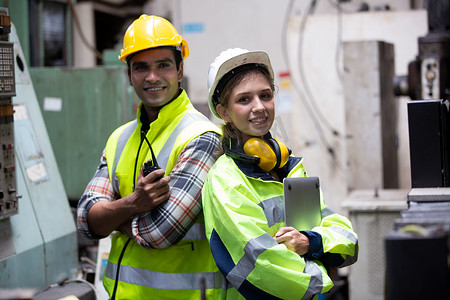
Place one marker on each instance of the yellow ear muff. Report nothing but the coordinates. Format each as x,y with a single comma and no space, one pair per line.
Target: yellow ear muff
259,148
284,153
272,153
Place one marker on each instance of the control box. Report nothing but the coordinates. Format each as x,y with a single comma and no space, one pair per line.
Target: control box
8,192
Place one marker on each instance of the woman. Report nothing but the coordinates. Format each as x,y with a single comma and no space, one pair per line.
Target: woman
243,194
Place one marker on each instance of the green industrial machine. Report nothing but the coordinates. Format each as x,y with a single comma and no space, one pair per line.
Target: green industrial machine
81,108
38,242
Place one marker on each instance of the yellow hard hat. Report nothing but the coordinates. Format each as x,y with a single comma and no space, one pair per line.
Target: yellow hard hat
150,32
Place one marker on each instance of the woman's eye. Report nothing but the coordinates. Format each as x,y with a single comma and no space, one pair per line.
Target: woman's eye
266,96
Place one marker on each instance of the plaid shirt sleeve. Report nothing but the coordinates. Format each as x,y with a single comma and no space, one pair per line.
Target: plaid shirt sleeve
98,189
169,222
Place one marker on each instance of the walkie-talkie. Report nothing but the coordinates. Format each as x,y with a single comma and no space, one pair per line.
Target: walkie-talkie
149,166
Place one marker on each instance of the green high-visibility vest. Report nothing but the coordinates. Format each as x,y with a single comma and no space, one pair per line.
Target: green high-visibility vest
178,271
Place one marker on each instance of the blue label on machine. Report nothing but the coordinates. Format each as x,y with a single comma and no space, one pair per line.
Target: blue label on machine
193,28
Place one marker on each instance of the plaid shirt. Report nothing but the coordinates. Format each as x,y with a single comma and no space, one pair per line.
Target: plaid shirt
169,222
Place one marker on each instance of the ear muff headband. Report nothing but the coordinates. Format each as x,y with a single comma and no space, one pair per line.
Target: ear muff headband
240,156
277,151
284,152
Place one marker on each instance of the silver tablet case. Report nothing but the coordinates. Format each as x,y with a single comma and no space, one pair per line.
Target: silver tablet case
302,202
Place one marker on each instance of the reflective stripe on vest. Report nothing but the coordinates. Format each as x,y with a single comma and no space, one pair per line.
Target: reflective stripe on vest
273,209
164,153
121,142
316,281
164,281
345,233
326,212
350,259
246,264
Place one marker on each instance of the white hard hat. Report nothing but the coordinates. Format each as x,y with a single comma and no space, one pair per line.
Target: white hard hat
227,61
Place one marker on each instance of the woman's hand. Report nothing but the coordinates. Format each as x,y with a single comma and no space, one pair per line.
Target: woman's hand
293,239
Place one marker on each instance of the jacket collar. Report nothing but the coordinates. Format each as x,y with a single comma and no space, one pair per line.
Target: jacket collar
172,111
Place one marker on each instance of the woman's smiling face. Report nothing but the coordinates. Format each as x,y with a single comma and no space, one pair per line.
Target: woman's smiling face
250,107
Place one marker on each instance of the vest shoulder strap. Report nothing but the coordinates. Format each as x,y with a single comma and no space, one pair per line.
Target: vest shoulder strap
114,148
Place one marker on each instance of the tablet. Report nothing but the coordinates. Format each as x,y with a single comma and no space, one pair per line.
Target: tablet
302,202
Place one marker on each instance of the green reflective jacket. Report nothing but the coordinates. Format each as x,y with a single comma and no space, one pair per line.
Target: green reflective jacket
243,213
178,271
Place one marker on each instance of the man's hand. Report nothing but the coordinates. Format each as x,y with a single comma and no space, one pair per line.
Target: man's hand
149,192
293,239
105,216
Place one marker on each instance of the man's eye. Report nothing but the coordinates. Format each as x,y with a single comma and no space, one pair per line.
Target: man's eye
140,67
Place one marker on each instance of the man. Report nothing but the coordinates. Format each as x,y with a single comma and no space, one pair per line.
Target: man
159,249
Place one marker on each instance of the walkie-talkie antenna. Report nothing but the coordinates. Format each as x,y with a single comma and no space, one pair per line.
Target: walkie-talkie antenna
154,162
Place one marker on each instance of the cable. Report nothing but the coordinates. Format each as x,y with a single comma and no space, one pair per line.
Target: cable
66,281
338,41
82,281
338,5
309,94
302,96
83,37
312,110
296,87
116,283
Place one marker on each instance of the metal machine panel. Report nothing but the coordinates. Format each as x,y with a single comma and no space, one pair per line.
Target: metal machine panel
22,245
406,279
370,115
8,191
429,142
43,233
